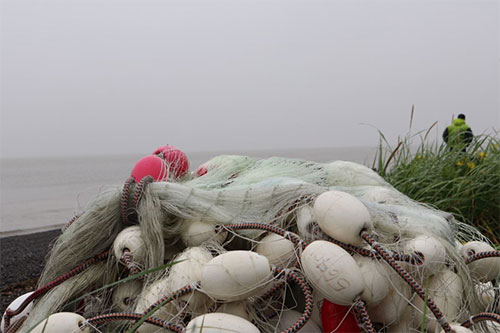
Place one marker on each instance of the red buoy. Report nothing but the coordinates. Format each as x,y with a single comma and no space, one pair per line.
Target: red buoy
202,170
150,166
175,159
338,318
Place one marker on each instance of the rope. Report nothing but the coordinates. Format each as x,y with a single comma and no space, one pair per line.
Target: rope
264,226
97,320
170,297
482,255
42,290
70,222
308,298
132,266
139,190
124,199
482,316
408,279
362,313
16,325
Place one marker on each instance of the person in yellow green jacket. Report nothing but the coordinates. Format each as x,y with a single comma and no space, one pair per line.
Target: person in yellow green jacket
458,135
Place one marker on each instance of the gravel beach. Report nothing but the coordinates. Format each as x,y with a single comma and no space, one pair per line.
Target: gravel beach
22,261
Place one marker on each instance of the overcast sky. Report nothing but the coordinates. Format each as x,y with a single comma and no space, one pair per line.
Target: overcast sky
104,76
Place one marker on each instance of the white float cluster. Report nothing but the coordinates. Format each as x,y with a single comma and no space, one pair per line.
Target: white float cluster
271,245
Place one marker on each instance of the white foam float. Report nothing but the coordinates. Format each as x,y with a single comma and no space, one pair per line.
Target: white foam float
486,293
277,249
290,317
305,219
457,328
194,233
433,251
377,285
13,306
486,269
445,289
332,271
220,323
62,322
345,173
403,325
393,307
237,308
125,294
130,239
149,296
235,275
188,270
342,216
381,195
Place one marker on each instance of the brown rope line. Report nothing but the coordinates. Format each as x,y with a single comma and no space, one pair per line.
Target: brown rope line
124,198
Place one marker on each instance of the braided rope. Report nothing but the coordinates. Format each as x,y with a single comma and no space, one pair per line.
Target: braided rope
306,315
482,316
97,320
264,226
70,222
362,313
416,259
139,190
408,279
170,297
16,325
124,199
132,267
54,283
482,255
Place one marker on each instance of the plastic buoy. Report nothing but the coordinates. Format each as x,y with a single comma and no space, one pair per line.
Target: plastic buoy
13,306
238,308
150,166
125,294
457,328
332,271
486,269
175,159
342,216
220,322
277,249
434,253
235,275
194,233
338,318
62,322
377,285
130,239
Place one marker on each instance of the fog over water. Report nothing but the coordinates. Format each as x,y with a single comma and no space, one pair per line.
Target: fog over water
86,77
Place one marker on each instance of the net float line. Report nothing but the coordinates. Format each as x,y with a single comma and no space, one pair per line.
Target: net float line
306,315
124,199
482,316
120,316
54,283
266,227
70,222
137,195
408,279
15,326
482,255
170,297
132,266
415,259
363,316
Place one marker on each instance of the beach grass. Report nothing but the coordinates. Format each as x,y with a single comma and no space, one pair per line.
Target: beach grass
466,184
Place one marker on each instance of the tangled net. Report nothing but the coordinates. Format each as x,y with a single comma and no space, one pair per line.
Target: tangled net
264,245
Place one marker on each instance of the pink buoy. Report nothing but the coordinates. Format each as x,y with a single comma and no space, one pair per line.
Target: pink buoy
150,166
338,318
175,159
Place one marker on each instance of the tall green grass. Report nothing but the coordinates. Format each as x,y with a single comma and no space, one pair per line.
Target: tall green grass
465,184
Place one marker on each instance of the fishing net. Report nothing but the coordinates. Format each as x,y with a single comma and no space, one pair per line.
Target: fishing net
156,245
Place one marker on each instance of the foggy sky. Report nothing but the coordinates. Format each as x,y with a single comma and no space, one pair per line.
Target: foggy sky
112,77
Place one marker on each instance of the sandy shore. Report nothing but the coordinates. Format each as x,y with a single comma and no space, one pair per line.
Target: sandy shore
22,261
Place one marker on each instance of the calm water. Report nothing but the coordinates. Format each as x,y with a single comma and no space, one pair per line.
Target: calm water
43,194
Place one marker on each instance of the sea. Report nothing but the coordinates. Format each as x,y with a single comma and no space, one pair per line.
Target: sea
40,194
